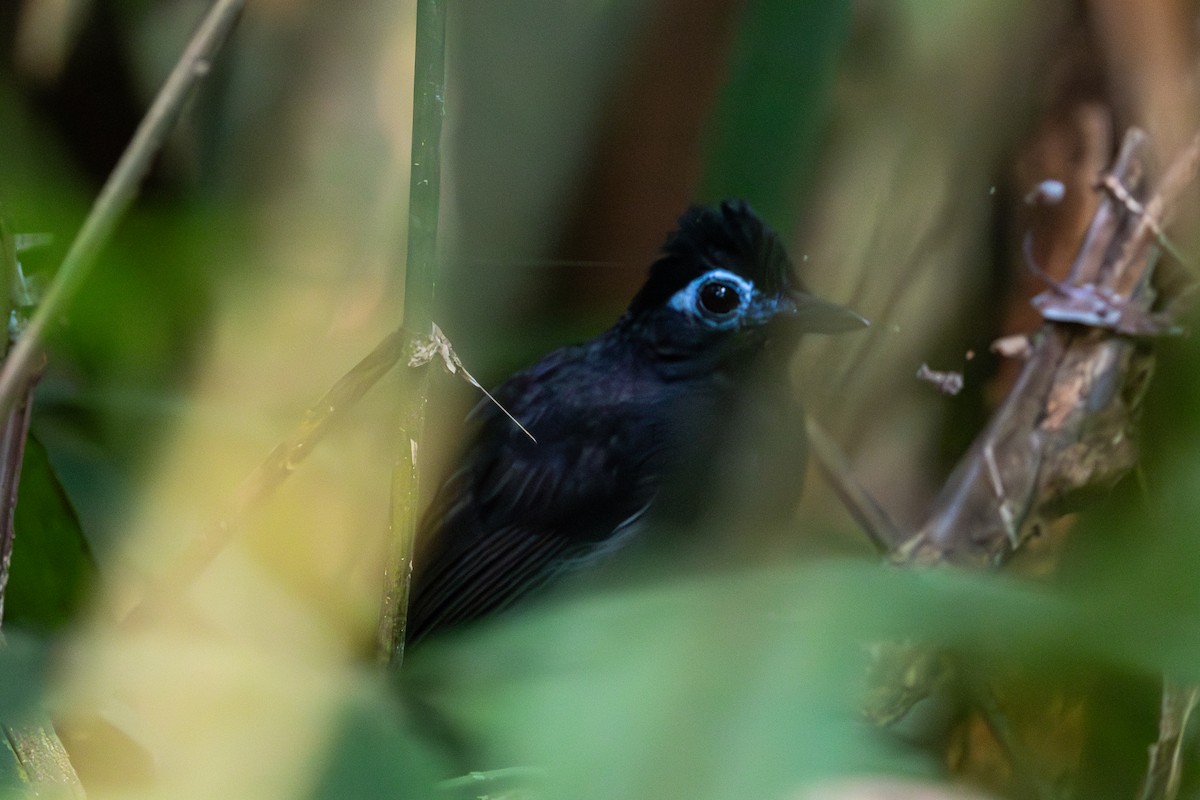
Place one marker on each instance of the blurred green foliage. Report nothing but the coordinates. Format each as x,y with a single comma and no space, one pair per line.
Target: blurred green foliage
772,115
52,566
373,754
120,354
749,685
24,662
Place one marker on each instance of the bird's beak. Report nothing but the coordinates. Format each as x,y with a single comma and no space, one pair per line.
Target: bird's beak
814,315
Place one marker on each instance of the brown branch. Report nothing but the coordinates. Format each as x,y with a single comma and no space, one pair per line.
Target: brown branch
1067,425
883,532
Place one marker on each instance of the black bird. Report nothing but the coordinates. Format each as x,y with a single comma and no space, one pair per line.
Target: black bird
613,420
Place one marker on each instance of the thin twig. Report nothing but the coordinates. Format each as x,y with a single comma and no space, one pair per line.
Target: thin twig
118,193
883,532
276,468
286,457
420,273
13,433
8,276
14,424
439,346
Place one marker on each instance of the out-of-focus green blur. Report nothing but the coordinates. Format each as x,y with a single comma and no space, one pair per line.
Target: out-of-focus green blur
889,142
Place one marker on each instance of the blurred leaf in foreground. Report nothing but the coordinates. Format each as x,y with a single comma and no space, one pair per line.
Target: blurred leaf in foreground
372,754
751,685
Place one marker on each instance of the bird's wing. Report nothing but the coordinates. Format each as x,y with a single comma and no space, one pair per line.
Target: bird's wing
513,519
486,578
501,529
519,512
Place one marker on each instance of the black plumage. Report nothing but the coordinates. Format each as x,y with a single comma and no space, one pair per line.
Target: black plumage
614,419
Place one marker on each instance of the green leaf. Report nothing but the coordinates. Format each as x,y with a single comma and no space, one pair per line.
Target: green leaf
52,565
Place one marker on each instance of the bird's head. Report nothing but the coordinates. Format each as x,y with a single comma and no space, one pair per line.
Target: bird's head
722,282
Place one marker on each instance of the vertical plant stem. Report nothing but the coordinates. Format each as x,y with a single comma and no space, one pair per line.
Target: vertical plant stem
8,279
43,766
13,431
118,193
14,423
420,272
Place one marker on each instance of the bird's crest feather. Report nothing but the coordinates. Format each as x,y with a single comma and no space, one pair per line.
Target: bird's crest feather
731,236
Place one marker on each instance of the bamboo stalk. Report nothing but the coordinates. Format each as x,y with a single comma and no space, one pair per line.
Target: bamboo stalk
43,766
420,275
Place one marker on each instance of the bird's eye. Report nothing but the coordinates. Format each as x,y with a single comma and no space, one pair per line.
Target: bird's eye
719,298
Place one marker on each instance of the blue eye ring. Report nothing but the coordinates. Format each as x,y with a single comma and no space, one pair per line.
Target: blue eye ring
718,298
